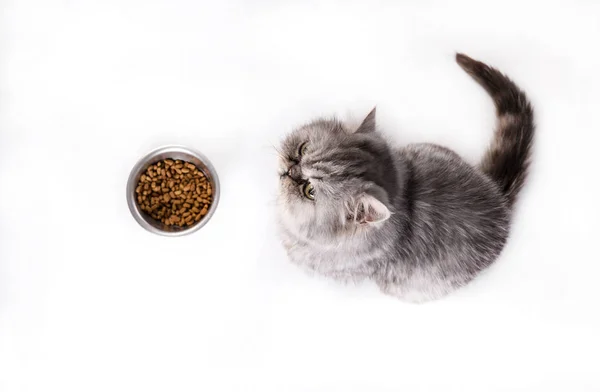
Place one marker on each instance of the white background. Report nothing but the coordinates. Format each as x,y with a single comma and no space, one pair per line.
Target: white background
89,301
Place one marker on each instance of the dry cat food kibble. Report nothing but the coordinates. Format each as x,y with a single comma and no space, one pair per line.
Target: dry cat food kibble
174,192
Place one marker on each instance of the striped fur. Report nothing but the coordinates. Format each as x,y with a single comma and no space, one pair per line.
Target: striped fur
507,159
419,220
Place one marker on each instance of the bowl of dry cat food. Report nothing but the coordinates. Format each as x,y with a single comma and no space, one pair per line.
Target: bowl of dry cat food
173,191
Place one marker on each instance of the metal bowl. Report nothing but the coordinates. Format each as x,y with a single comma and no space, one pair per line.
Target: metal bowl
171,152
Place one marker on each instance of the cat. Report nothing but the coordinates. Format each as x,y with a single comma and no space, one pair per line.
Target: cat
419,220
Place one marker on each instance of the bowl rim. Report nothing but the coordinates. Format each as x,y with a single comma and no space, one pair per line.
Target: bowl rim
146,160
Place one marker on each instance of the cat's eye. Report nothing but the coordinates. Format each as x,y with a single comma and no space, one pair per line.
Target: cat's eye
309,191
302,149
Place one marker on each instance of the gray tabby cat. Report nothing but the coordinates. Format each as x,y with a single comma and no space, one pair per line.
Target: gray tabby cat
419,221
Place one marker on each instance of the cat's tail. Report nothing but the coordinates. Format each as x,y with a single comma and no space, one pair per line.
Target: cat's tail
507,159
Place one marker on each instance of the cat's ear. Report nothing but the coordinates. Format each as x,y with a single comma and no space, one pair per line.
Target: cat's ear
367,209
368,124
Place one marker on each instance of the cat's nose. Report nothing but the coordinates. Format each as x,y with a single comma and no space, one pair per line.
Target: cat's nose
295,172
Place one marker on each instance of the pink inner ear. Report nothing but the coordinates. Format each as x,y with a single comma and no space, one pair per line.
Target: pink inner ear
370,210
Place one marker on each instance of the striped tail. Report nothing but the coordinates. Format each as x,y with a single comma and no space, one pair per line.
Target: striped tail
507,159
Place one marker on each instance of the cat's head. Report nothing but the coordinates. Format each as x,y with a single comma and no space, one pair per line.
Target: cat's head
335,181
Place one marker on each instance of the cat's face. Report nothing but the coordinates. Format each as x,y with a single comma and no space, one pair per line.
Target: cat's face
332,179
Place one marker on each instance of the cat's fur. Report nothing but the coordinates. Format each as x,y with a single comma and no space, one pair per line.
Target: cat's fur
419,221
